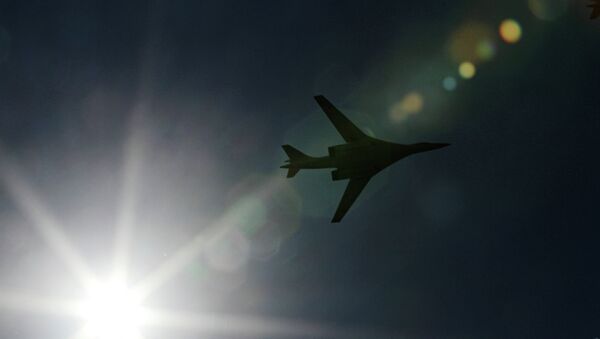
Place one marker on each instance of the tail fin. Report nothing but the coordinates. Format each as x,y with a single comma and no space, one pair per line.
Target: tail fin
293,153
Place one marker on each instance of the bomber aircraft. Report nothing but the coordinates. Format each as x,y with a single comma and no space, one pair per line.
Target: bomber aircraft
358,160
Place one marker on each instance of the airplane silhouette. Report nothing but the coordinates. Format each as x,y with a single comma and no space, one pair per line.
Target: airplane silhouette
359,159
595,6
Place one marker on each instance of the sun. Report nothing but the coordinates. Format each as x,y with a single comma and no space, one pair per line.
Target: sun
110,308
112,311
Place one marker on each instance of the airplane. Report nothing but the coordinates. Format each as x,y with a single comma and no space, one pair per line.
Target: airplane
358,160
595,6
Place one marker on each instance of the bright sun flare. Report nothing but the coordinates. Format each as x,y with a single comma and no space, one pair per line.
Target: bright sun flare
112,312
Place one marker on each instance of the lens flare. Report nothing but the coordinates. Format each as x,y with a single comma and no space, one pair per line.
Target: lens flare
449,83
548,9
510,31
486,50
411,104
472,41
467,70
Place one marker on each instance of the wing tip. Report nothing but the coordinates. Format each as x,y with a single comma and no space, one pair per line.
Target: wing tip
320,99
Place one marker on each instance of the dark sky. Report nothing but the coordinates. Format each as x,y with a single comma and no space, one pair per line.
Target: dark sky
186,104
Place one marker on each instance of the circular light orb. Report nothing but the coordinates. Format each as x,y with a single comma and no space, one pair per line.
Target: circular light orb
486,50
112,312
412,103
467,70
510,31
472,41
548,9
229,251
449,83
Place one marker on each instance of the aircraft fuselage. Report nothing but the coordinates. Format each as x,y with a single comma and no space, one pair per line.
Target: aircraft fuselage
366,156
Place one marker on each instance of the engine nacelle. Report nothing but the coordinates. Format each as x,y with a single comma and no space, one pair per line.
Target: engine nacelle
342,174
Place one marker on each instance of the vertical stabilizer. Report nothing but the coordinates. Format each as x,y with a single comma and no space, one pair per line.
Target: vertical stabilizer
295,157
294,154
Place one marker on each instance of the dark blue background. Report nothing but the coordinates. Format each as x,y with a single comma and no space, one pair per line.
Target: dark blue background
516,257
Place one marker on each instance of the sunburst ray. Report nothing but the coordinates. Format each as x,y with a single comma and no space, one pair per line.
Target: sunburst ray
29,303
234,217
125,222
32,207
242,326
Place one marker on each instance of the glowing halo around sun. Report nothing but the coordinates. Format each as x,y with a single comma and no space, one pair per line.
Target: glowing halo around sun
110,309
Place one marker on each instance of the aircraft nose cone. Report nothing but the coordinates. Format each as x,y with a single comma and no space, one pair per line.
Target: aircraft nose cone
427,146
430,146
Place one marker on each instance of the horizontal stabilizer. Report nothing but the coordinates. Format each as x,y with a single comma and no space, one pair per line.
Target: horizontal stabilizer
292,171
295,157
